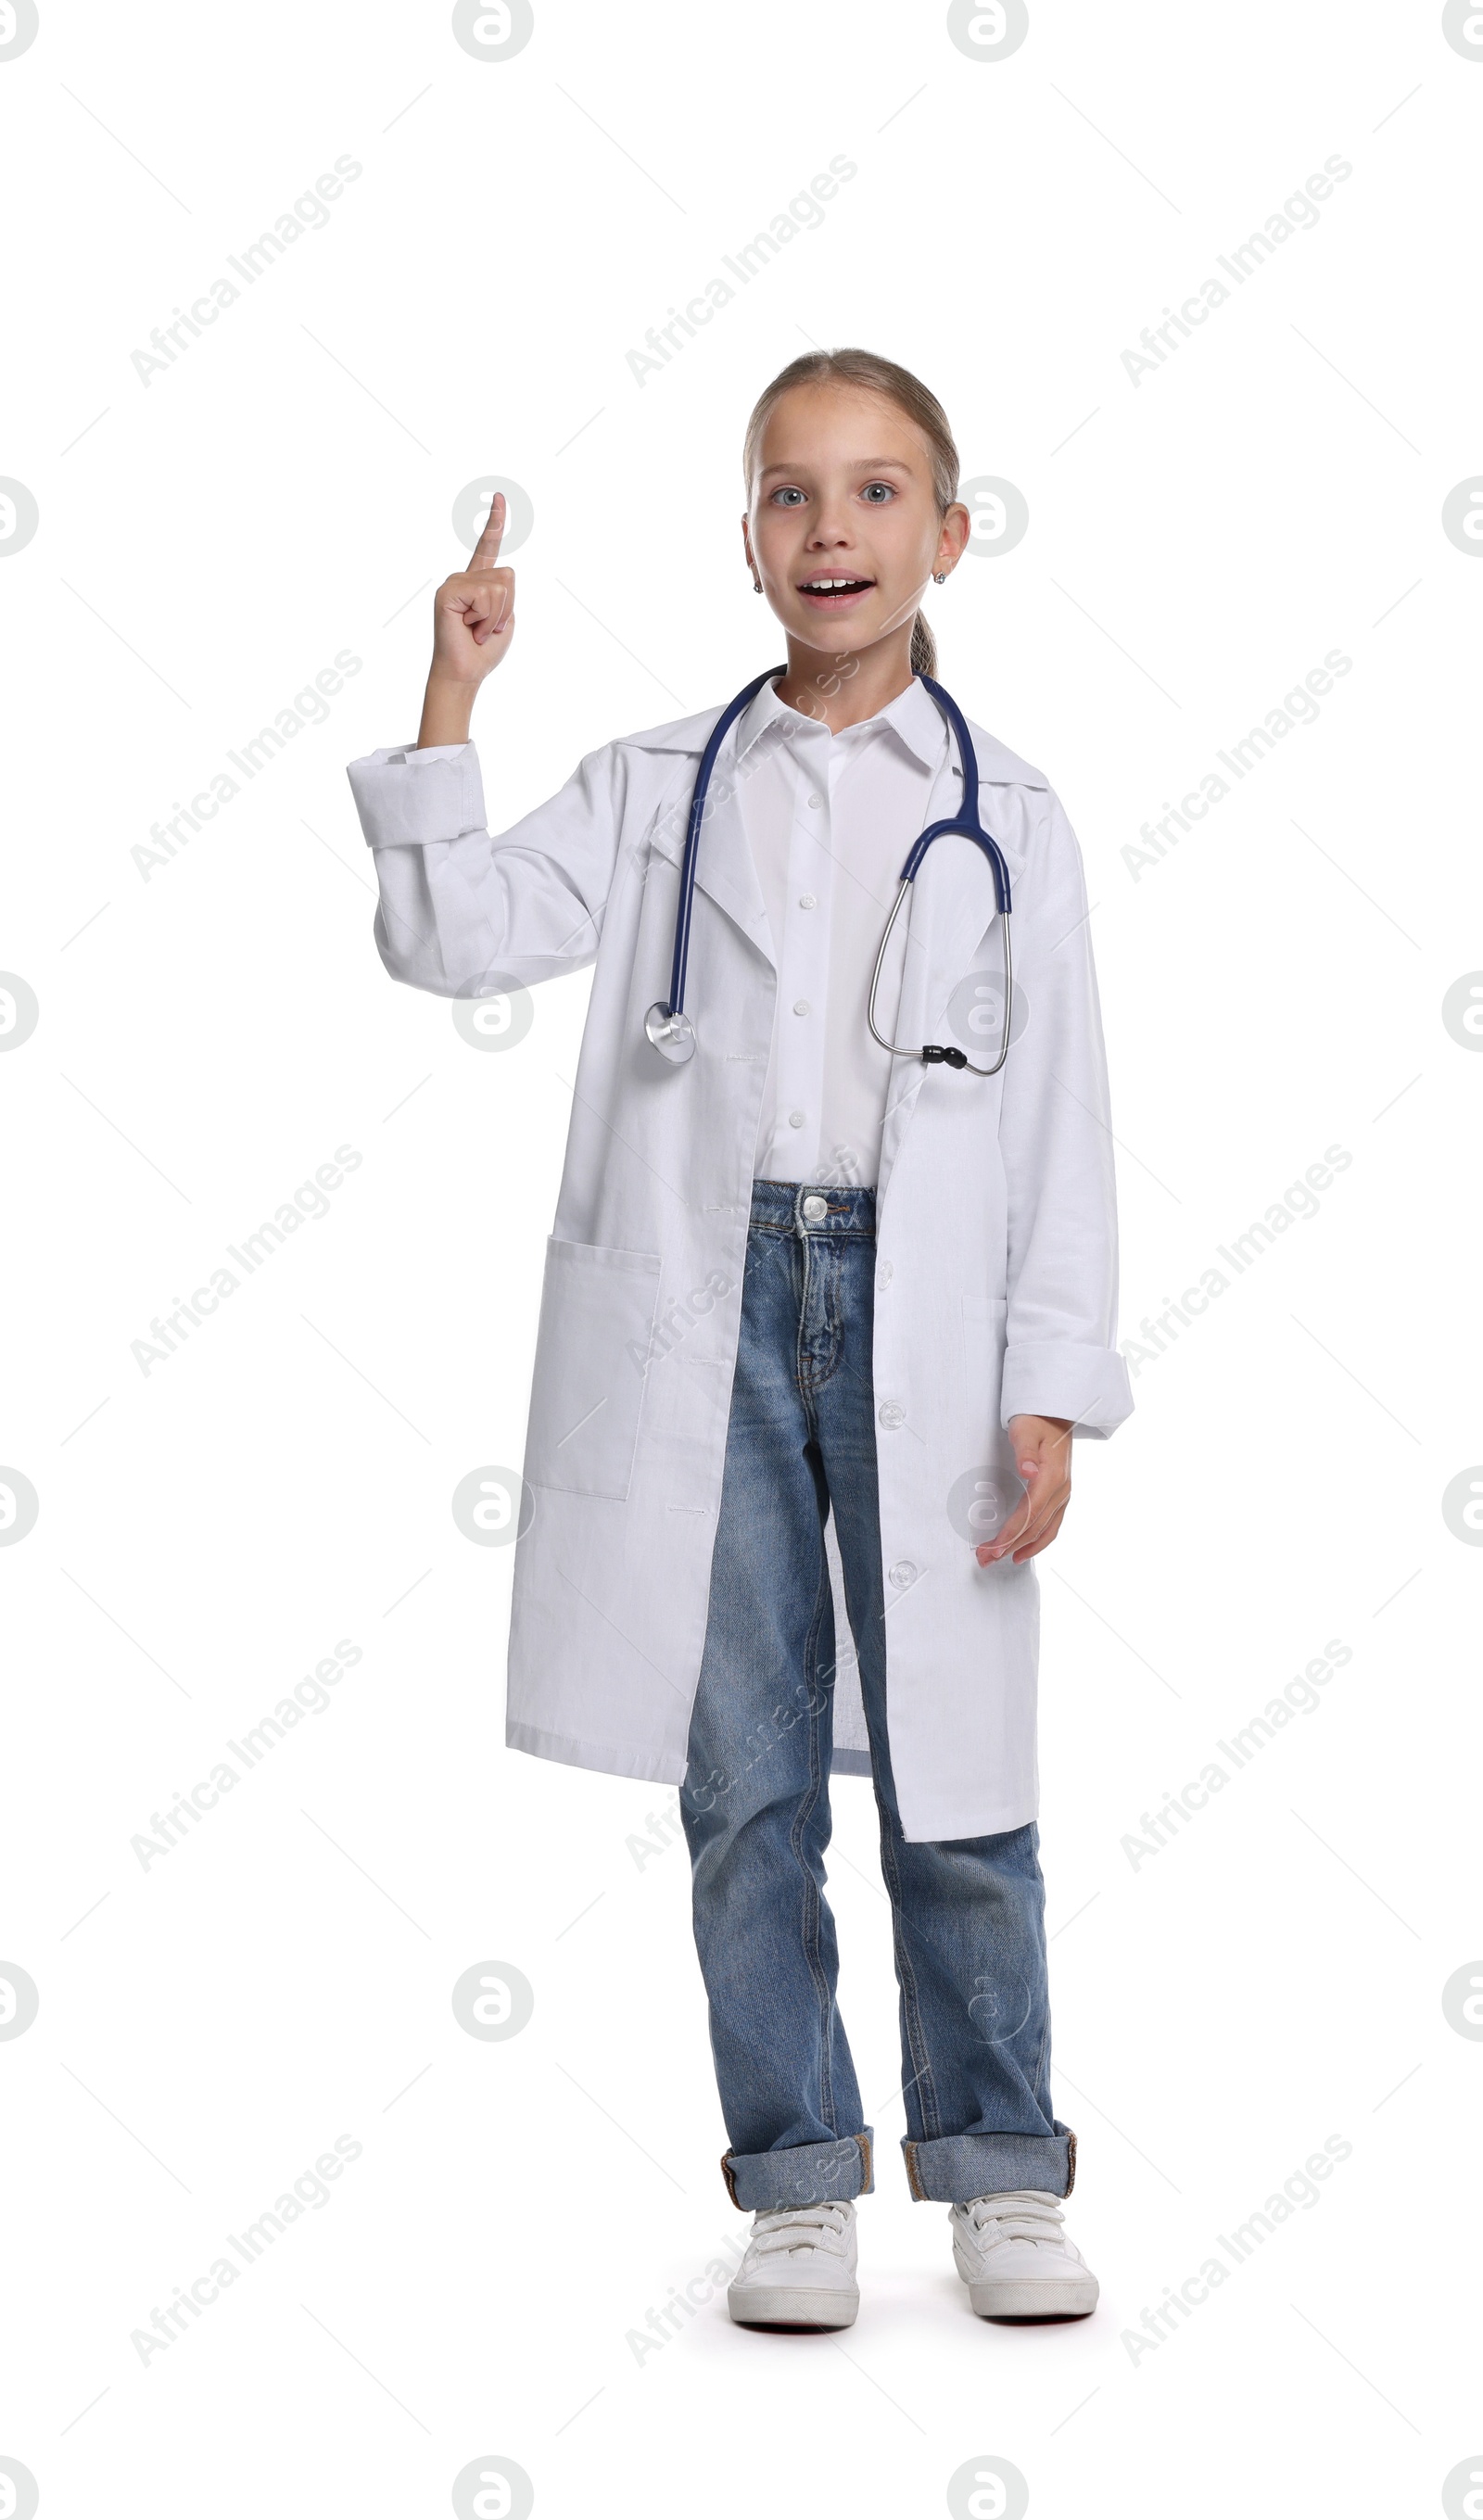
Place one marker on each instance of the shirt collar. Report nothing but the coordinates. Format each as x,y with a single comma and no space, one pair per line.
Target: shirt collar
912,717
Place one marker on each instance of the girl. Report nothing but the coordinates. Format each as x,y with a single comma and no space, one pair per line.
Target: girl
828,1223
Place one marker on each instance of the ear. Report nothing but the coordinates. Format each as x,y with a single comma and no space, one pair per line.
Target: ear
952,542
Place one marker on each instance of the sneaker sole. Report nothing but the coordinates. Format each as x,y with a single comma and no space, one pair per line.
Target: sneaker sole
791,2306
1029,2299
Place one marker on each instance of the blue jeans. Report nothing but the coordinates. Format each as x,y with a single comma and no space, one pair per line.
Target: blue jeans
968,1914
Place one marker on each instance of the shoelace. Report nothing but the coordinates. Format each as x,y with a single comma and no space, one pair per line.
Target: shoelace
1021,2214
798,2227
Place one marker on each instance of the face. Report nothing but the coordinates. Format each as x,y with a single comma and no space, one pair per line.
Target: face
843,528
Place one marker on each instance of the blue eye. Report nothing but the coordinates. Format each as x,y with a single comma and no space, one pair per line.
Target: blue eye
787,495
885,489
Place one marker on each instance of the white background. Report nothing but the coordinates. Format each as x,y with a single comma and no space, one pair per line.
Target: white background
213,1028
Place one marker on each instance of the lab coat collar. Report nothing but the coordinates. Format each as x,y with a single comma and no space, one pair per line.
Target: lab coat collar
913,713
724,867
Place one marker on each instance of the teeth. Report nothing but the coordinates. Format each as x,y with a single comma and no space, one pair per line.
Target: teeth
826,585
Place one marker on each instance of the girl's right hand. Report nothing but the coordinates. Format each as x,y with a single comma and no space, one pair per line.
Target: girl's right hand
473,611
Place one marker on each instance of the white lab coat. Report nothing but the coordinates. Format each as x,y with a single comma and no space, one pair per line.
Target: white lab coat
995,1251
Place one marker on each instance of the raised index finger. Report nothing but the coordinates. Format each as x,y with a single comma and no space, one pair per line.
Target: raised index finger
486,550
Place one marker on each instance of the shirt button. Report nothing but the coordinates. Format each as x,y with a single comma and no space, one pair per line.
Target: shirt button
816,1209
816,802
892,1413
796,1119
903,1573
884,1274
808,901
801,1006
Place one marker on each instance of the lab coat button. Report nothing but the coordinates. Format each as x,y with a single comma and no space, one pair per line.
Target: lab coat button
808,901
884,1274
891,1414
816,802
814,1209
796,1119
903,1573
801,1006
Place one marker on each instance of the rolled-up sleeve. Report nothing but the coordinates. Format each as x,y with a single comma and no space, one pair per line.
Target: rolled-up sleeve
463,913
1055,1138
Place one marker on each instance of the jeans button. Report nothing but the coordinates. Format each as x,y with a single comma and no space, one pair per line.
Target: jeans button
892,1413
903,1573
815,1209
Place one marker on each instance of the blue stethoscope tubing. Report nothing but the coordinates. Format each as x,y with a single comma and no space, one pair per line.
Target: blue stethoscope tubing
669,1027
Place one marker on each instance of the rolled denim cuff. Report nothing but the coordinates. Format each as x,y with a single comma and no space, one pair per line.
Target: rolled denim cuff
801,2174
949,2169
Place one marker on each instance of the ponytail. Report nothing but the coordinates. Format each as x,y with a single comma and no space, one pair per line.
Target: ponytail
923,646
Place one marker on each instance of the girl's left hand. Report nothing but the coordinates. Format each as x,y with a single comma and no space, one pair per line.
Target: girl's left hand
1043,1458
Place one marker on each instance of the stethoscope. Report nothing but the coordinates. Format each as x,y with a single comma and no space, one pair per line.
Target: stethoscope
669,1027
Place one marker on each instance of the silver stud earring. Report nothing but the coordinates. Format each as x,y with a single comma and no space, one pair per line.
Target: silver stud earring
939,577
756,586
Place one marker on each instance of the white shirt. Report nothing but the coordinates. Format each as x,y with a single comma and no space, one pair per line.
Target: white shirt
829,820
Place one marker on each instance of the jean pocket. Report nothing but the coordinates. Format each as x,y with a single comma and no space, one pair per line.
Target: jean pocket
592,1354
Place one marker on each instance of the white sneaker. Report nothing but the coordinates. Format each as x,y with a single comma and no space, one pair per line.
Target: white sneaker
1016,2259
799,2269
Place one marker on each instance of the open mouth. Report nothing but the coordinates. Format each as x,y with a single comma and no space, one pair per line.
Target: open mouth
830,594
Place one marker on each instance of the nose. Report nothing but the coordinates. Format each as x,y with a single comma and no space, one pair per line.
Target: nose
829,532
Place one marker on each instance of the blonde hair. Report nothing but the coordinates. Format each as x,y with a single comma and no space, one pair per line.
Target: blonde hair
867,370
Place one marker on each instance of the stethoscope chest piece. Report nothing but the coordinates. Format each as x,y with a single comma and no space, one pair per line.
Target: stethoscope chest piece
673,1036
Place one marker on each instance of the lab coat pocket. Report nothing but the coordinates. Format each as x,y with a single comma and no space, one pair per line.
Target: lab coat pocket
986,1320
592,1353
989,1488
